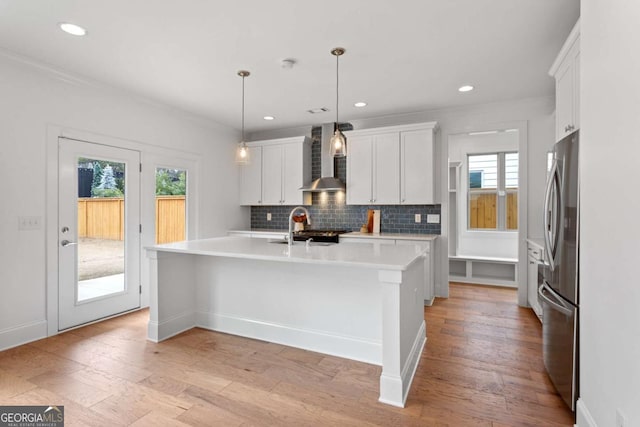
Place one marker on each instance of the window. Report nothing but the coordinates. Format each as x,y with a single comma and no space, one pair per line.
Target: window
493,191
171,205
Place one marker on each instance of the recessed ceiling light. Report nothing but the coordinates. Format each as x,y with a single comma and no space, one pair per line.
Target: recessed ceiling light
318,110
360,104
73,29
465,88
268,117
288,63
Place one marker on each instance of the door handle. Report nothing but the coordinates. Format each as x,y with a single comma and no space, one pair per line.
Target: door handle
547,202
66,243
559,306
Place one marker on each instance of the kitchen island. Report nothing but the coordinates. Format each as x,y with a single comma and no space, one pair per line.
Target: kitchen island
359,301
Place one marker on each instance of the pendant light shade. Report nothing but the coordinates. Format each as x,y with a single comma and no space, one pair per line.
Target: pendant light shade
338,140
242,151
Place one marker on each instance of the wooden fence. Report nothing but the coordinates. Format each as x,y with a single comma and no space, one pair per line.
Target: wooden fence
483,211
103,218
170,219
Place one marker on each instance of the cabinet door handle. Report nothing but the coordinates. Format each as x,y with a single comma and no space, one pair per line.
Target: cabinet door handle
402,200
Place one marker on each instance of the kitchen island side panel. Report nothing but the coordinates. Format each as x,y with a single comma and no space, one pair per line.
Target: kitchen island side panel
332,310
172,294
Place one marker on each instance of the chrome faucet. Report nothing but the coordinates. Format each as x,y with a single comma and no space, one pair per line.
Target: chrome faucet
306,212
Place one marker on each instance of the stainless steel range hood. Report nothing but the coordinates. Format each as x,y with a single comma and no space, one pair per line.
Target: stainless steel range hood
327,180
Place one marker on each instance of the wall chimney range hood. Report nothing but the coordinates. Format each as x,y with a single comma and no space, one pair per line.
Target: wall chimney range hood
327,180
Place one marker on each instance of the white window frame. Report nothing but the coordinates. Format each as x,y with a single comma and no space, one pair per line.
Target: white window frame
501,191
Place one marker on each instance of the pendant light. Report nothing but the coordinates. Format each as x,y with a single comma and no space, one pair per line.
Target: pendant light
338,140
242,152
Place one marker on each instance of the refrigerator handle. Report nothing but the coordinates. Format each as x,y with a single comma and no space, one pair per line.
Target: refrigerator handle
559,306
547,203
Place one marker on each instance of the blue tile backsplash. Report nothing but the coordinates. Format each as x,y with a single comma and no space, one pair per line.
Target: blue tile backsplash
329,211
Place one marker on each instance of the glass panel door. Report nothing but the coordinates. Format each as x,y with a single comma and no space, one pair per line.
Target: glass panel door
99,242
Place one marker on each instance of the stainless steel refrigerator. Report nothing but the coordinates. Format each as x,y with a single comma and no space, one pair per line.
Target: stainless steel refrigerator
559,291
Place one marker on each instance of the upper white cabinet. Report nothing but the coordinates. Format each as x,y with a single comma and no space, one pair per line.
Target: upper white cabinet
276,172
359,170
417,167
251,178
372,169
391,165
566,71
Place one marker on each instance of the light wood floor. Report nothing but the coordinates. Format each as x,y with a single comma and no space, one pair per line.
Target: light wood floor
482,366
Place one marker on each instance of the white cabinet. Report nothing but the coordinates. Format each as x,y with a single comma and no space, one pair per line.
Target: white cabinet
372,170
276,172
566,71
296,172
417,166
251,178
272,175
391,166
535,258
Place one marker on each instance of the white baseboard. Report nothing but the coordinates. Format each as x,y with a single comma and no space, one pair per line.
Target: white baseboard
160,331
18,335
583,416
391,386
320,341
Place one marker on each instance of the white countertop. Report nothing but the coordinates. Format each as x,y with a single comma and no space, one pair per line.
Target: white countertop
260,231
373,255
391,236
357,234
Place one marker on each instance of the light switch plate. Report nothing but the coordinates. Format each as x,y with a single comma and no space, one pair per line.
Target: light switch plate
269,216
418,218
433,219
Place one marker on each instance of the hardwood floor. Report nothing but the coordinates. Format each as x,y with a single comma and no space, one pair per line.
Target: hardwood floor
482,366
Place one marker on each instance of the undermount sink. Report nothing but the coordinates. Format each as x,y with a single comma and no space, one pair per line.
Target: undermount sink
281,242
312,243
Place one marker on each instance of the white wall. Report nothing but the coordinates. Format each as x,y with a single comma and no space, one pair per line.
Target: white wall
484,243
610,202
535,115
33,100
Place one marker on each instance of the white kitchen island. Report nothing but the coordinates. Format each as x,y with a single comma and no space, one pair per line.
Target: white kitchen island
359,301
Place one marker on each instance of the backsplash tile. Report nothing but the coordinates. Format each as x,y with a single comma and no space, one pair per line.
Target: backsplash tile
329,210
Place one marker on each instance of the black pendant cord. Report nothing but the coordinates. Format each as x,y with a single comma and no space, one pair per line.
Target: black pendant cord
243,109
337,89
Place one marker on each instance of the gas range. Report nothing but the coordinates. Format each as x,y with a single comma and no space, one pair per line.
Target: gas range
331,236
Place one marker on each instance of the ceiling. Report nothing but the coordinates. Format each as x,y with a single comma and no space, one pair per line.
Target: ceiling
401,56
